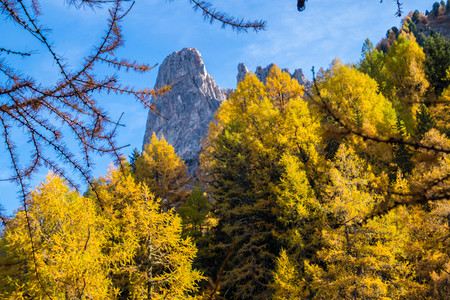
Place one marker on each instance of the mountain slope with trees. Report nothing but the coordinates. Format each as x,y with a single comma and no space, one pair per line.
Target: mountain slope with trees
339,190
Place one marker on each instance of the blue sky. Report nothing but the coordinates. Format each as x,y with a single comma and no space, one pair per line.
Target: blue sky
156,28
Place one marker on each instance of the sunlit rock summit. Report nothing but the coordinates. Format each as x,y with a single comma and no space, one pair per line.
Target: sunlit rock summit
189,106
191,103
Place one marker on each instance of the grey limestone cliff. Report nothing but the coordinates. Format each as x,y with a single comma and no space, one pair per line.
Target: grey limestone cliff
189,106
242,71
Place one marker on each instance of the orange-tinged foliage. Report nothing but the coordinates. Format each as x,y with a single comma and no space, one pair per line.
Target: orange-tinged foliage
344,195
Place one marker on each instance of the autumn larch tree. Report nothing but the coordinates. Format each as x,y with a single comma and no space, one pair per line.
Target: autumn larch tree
66,257
128,250
378,235
163,172
147,256
256,133
403,85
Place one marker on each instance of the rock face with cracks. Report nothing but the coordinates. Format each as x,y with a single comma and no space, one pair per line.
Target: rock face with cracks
192,101
189,106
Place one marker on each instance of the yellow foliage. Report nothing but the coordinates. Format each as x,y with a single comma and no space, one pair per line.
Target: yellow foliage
149,258
406,84
129,249
441,110
274,117
163,172
262,138
282,89
358,260
68,261
350,177
404,68
286,279
354,98
349,100
295,196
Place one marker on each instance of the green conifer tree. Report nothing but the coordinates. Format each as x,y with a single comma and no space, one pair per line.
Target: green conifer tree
437,62
194,212
424,121
403,153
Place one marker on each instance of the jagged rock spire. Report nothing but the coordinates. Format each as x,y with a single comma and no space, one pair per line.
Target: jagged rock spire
189,106
242,71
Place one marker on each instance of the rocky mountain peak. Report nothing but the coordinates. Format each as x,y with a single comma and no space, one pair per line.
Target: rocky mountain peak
262,73
242,71
189,106
192,101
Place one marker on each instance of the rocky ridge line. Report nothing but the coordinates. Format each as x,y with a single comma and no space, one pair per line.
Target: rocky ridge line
262,73
192,101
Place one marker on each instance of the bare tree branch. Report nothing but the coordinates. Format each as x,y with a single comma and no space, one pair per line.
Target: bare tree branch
210,14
